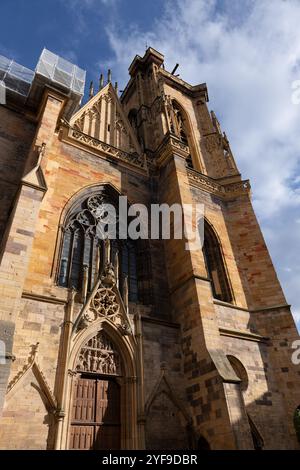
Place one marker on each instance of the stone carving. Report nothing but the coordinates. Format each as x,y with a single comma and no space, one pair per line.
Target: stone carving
95,211
108,277
132,158
94,202
241,186
104,303
180,145
222,190
99,355
27,366
102,125
32,364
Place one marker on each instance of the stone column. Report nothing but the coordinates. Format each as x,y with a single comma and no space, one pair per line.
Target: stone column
17,242
206,367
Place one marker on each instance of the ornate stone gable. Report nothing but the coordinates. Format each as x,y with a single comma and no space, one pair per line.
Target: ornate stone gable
103,119
105,302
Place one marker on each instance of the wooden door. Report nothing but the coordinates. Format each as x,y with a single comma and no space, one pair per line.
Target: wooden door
95,421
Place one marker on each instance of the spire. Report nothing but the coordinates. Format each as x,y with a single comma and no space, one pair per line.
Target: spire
125,292
116,267
101,81
116,87
215,122
109,76
91,91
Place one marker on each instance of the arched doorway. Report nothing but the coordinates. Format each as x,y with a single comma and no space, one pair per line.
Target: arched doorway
96,397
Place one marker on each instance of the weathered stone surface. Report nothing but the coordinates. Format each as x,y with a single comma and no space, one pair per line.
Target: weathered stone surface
183,388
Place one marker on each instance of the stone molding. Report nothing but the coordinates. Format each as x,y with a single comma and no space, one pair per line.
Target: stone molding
224,191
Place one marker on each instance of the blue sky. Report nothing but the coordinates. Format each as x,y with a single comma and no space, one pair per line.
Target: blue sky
73,29
248,53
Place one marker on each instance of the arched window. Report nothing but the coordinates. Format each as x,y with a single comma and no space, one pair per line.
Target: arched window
178,124
83,252
133,119
215,265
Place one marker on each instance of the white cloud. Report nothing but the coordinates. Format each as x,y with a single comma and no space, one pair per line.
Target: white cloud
82,9
296,314
249,55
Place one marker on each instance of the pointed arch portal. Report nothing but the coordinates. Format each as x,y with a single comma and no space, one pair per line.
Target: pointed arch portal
100,392
96,399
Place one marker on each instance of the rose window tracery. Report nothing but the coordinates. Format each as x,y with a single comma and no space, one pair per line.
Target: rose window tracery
105,303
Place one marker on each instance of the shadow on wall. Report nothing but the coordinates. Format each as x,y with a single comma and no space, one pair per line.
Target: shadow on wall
96,415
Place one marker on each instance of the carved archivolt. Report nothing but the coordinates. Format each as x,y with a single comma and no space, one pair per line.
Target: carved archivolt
99,355
132,158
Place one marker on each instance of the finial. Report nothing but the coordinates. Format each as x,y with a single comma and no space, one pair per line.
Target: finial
116,87
125,292
216,122
116,267
107,249
101,81
91,91
109,76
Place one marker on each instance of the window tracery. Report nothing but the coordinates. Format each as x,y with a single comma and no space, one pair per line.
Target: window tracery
83,248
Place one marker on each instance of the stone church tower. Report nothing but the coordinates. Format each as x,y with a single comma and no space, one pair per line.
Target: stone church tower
132,344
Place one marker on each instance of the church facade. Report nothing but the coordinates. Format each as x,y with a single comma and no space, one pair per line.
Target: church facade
135,344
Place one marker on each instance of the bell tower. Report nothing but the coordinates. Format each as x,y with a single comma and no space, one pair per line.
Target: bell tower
226,298
129,343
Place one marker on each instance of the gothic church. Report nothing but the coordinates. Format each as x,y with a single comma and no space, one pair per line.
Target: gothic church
132,344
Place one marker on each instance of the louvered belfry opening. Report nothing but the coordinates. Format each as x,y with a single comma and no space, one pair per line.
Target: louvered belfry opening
96,413
215,265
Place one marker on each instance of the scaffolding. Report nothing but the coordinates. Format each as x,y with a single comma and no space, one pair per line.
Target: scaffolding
61,72
21,84
16,78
